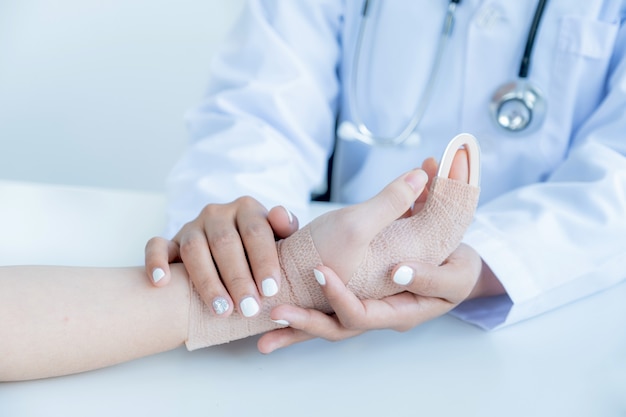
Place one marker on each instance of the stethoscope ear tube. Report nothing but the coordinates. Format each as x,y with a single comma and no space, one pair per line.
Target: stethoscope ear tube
408,136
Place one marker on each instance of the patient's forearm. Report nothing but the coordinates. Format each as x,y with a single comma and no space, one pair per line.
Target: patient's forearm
62,320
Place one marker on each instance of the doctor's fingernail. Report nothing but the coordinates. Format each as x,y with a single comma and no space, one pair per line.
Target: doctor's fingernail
289,215
403,276
249,307
417,179
281,322
220,305
319,277
269,287
157,274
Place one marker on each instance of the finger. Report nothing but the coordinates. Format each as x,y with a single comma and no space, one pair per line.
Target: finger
398,312
283,222
281,338
460,166
258,240
458,171
159,253
453,280
227,248
351,312
411,310
305,324
429,166
196,255
391,203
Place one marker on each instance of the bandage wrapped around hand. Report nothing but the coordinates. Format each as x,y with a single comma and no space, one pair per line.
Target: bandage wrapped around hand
428,236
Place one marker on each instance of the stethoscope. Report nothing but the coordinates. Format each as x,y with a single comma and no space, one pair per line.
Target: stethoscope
516,107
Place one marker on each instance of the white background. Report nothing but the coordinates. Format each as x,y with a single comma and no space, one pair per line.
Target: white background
94,92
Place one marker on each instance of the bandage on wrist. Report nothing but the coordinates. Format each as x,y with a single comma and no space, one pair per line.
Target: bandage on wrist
428,236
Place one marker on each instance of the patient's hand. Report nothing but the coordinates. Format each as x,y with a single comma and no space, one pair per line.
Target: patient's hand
342,237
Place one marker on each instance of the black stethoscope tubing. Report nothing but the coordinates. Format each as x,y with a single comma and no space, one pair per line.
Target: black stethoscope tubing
530,41
518,93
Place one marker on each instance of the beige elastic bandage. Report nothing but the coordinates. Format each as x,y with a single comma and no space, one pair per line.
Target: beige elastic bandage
429,236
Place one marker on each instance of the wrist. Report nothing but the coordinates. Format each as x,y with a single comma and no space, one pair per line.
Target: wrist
179,301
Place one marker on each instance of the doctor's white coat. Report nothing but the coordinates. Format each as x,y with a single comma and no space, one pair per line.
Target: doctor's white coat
552,217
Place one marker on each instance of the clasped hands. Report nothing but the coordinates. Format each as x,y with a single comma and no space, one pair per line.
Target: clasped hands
230,255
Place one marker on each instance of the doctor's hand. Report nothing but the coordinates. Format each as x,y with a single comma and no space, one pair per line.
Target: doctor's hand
431,291
229,252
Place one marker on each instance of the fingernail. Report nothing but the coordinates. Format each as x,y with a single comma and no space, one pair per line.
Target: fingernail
321,279
220,305
417,179
269,287
157,274
403,276
281,322
249,307
289,215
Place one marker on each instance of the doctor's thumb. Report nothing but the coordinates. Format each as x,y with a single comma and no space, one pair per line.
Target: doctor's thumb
282,221
159,252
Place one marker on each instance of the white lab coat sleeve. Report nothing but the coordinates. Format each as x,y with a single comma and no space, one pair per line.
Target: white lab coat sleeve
558,241
266,125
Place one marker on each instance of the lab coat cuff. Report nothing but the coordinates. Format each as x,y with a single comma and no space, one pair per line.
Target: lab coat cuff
503,259
490,313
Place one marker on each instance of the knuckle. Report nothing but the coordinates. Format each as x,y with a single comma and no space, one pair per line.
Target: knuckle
313,325
238,282
224,238
210,210
353,322
403,328
334,337
247,202
152,242
426,284
206,287
397,199
191,245
255,229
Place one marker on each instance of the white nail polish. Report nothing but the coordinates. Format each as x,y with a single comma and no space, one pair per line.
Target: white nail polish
157,274
220,305
281,322
249,307
403,276
321,279
289,215
269,287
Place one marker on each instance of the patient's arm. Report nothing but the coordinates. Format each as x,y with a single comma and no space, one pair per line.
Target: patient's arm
62,320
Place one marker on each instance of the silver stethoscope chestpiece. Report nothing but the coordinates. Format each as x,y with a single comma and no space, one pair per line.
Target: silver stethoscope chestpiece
518,106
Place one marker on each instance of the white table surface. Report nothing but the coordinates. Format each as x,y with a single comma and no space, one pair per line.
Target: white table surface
570,362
